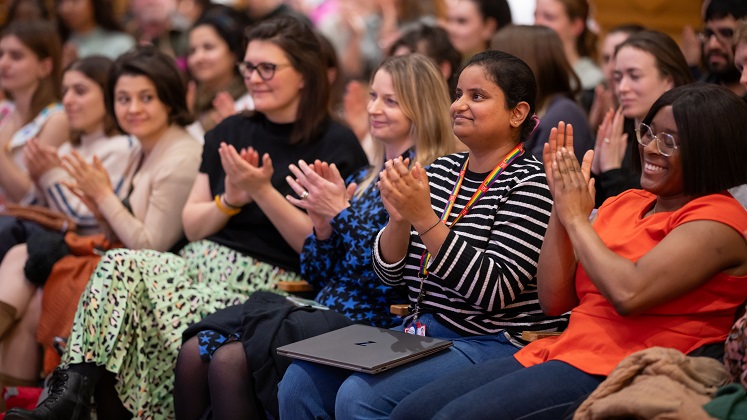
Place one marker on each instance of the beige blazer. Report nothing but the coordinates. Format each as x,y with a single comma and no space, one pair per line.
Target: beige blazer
159,190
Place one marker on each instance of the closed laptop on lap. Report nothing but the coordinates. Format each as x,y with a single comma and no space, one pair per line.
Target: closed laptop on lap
363,348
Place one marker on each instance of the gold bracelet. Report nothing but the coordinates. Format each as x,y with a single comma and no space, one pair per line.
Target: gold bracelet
225,210
429,229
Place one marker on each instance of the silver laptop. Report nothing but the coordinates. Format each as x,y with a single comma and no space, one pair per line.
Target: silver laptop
363,348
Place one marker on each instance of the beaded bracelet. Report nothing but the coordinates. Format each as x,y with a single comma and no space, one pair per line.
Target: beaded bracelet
429,229
225,210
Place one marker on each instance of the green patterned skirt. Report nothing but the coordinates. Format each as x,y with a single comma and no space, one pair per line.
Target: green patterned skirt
132,314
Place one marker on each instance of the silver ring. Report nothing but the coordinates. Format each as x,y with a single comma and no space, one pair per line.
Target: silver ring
304,195
606,140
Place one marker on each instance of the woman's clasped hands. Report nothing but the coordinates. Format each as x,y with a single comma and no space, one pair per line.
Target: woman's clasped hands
90,181
245,178
571,185
40,158
405,192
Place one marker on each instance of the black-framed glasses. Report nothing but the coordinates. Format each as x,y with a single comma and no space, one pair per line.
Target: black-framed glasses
723,35
665,142
266,71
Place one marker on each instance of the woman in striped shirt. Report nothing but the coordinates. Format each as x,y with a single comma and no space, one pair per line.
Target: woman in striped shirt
464,237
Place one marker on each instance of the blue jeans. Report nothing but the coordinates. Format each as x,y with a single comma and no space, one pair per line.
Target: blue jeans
310,390
502,389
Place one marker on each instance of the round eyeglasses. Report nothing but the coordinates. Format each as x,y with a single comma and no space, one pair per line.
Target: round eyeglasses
266,71
664,141
723,35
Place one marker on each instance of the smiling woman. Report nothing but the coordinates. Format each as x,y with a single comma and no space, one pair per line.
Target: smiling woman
246,235
217,89
646,65
634,277
471,23
147,96
470,272
30,70
92,134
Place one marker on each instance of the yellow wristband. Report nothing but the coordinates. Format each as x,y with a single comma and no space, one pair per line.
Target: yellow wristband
225,210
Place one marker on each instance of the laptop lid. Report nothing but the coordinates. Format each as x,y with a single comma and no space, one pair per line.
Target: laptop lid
363,348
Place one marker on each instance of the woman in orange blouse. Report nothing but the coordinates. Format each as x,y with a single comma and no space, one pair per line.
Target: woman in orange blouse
663,266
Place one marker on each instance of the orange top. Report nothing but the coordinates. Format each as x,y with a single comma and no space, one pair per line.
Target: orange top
598,338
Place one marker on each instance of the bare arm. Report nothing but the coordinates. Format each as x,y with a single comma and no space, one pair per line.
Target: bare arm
201,216
556,268
677,265
243,172
406,196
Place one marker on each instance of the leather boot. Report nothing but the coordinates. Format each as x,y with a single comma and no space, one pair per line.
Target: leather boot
7,318
69,398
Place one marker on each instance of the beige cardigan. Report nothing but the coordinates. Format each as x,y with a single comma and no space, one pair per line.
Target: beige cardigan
160,189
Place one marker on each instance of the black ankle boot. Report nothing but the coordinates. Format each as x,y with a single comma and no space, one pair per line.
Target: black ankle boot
69,398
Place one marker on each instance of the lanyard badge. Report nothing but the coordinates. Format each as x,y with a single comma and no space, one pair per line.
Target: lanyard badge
416,326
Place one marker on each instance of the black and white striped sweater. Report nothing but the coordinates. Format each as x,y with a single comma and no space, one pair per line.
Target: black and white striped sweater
483,279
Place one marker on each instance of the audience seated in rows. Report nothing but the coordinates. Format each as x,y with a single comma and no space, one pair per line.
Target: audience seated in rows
245,235
470,273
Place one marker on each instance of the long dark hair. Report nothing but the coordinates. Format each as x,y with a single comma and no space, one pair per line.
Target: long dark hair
96,68
667,55
103,15
41,38
301,46
541,48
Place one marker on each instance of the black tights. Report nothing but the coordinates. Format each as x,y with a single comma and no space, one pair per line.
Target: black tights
108,404
225,384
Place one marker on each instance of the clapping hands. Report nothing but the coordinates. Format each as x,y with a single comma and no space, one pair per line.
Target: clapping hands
40,158
571,185
244,176
322,193
405,192
90,181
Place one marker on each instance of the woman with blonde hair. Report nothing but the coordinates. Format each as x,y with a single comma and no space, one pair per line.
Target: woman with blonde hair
408,111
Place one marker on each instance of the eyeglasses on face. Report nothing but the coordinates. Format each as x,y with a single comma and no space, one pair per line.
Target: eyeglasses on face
723,35
266,71
665,142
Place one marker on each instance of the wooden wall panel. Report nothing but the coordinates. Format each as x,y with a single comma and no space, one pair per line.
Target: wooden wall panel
668,16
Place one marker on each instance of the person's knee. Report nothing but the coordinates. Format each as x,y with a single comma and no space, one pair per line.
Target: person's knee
189,354
358,397
295,382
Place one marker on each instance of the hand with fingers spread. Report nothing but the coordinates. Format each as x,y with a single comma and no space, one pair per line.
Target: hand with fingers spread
90,181
244,175
611,143
40,158
573,195
321,192
405,192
